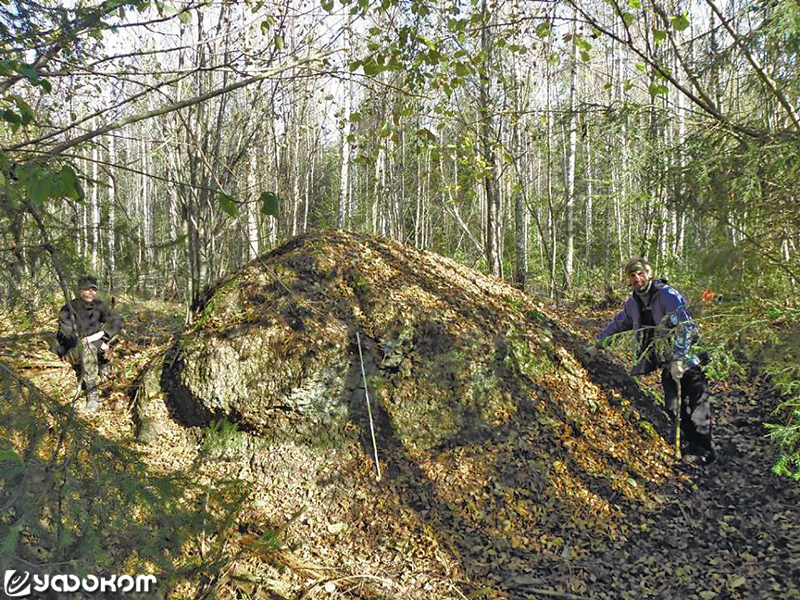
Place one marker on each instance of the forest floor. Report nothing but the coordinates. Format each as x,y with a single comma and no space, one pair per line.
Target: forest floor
729,530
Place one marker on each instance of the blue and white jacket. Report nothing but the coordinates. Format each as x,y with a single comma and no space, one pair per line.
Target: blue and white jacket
673,323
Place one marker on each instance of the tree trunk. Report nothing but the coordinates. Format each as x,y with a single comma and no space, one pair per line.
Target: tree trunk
111,239
344,183
487,142
572,149
253,237
94,209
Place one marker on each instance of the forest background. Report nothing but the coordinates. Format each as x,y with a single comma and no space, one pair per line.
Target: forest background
161,144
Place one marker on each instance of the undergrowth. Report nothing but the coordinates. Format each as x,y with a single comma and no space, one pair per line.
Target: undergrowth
75,502
746,338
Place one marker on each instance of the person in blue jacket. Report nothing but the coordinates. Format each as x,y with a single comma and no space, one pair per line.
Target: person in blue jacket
665,331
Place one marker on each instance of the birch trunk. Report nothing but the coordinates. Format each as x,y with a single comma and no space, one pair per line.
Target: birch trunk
487,141
111,234
344,184
94,234
572,149
253,237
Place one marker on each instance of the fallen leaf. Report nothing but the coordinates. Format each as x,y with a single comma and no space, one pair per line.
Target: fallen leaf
738,582
336,527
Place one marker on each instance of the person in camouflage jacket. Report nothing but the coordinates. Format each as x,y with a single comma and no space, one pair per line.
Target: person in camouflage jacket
86,325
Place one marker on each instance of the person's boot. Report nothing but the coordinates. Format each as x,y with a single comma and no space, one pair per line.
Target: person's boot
92,401
708,456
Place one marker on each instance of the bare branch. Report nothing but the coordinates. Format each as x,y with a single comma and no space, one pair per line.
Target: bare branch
120,123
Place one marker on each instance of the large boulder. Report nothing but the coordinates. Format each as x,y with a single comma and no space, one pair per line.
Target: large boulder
484,418
445,351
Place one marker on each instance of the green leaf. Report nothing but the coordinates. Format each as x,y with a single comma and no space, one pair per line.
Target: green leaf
279,42
681,22
70,186
185,17
628,18
30,73
228,204
663,73
64,539
355,117
659,35
9,541
40,190
46,86
269,204
635,4
553,60
11,116
657,89
708,595
738,582
27,115
584,56
327,5
371,67
543,29
10,455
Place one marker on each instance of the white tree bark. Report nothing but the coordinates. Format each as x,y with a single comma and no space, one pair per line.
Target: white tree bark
572,150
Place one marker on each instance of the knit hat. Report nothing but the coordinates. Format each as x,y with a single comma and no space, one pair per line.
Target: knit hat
87,282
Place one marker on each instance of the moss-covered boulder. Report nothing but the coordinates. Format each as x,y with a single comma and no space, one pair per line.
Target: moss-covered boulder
447,353
492,437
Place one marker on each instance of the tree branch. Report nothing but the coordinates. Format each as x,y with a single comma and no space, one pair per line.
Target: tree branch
706,106
120,123
762,74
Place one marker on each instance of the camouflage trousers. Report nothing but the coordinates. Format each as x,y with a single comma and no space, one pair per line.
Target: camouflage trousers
86,364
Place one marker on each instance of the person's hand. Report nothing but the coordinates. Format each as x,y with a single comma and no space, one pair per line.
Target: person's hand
677,368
